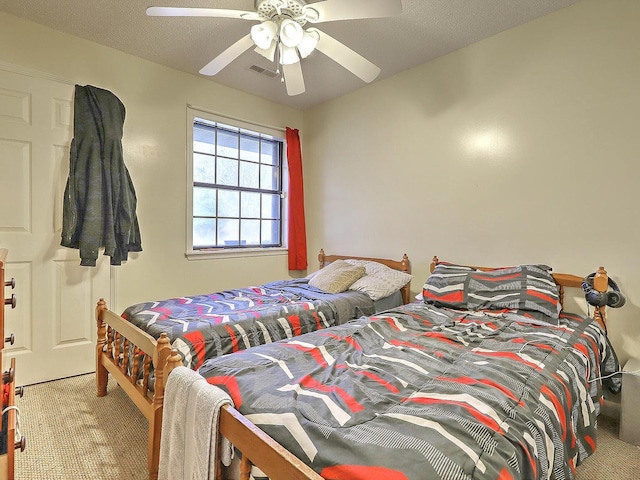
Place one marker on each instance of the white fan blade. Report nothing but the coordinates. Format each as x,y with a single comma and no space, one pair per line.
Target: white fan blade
293,78
332,10
201,12
340,53
228,56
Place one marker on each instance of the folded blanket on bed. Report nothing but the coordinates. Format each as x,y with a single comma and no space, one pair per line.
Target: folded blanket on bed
189,427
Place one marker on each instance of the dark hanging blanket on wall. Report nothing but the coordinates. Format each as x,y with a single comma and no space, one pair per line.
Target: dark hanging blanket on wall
99,199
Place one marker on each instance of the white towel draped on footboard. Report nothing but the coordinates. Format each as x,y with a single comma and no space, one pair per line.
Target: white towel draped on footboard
189,427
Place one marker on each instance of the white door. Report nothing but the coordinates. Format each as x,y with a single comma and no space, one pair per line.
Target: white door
53,321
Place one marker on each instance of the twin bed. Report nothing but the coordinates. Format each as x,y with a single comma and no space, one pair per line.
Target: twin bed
133,347
484,378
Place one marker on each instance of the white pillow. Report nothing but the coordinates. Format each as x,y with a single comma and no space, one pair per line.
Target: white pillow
379,281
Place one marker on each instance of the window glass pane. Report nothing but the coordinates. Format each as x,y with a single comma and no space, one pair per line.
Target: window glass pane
270,232
204,168
249,148
250,205
270,206
204,232
229,232
204,202
204,139
228,203
237,191
249,173
227,144
250,232
269,178
227,172
270,153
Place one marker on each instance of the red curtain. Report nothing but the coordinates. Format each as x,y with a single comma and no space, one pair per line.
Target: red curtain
297,230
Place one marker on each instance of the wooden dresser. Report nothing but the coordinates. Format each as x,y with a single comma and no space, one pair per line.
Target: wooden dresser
8,421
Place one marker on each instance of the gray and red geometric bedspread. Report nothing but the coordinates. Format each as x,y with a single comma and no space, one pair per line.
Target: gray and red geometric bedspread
206,326
429,393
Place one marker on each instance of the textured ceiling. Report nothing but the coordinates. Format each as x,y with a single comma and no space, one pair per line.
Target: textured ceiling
425,30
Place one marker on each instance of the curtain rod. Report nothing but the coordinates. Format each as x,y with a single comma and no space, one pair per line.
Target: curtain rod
213,112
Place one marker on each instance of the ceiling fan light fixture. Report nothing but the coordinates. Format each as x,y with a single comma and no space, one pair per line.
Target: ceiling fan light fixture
311,14
308,43
263,34
291,33
281,30
288,55
268,53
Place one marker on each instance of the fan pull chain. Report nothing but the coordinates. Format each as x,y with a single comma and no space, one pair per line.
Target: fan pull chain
276,56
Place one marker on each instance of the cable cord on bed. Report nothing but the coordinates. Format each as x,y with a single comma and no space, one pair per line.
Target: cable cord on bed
17,435
634,372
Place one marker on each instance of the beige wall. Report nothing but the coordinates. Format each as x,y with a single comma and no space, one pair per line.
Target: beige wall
520,148
155,153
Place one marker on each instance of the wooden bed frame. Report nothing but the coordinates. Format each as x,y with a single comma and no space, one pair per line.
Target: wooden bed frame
114,331
278,463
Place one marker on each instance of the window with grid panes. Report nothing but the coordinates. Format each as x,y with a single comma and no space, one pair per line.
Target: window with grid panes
237,187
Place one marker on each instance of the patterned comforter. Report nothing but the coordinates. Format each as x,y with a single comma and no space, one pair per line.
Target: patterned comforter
422,393
206,326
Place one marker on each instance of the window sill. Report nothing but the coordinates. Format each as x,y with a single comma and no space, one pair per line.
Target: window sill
235,253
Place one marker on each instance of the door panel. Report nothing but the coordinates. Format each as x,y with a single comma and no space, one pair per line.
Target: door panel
15,165
53,322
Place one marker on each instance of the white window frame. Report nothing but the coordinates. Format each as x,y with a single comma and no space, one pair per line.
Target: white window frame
191,254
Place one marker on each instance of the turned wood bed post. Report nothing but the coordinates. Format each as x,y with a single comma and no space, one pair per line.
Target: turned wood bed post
321,257
170,358
405,263
161,354
174,360
102,375
601,284
433,264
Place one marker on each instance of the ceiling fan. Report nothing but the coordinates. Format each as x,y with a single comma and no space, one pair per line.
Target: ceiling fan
280,33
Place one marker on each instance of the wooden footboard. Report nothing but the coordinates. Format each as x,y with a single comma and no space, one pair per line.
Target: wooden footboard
129,354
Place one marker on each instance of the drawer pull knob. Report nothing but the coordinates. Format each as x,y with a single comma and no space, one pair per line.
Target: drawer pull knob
7,377
11,301
10,339
11,283
20,391
22,444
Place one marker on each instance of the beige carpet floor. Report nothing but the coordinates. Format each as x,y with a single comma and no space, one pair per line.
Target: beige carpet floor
74,435
613,459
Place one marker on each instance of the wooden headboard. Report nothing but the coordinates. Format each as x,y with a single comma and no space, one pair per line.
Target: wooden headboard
401,265
600,284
